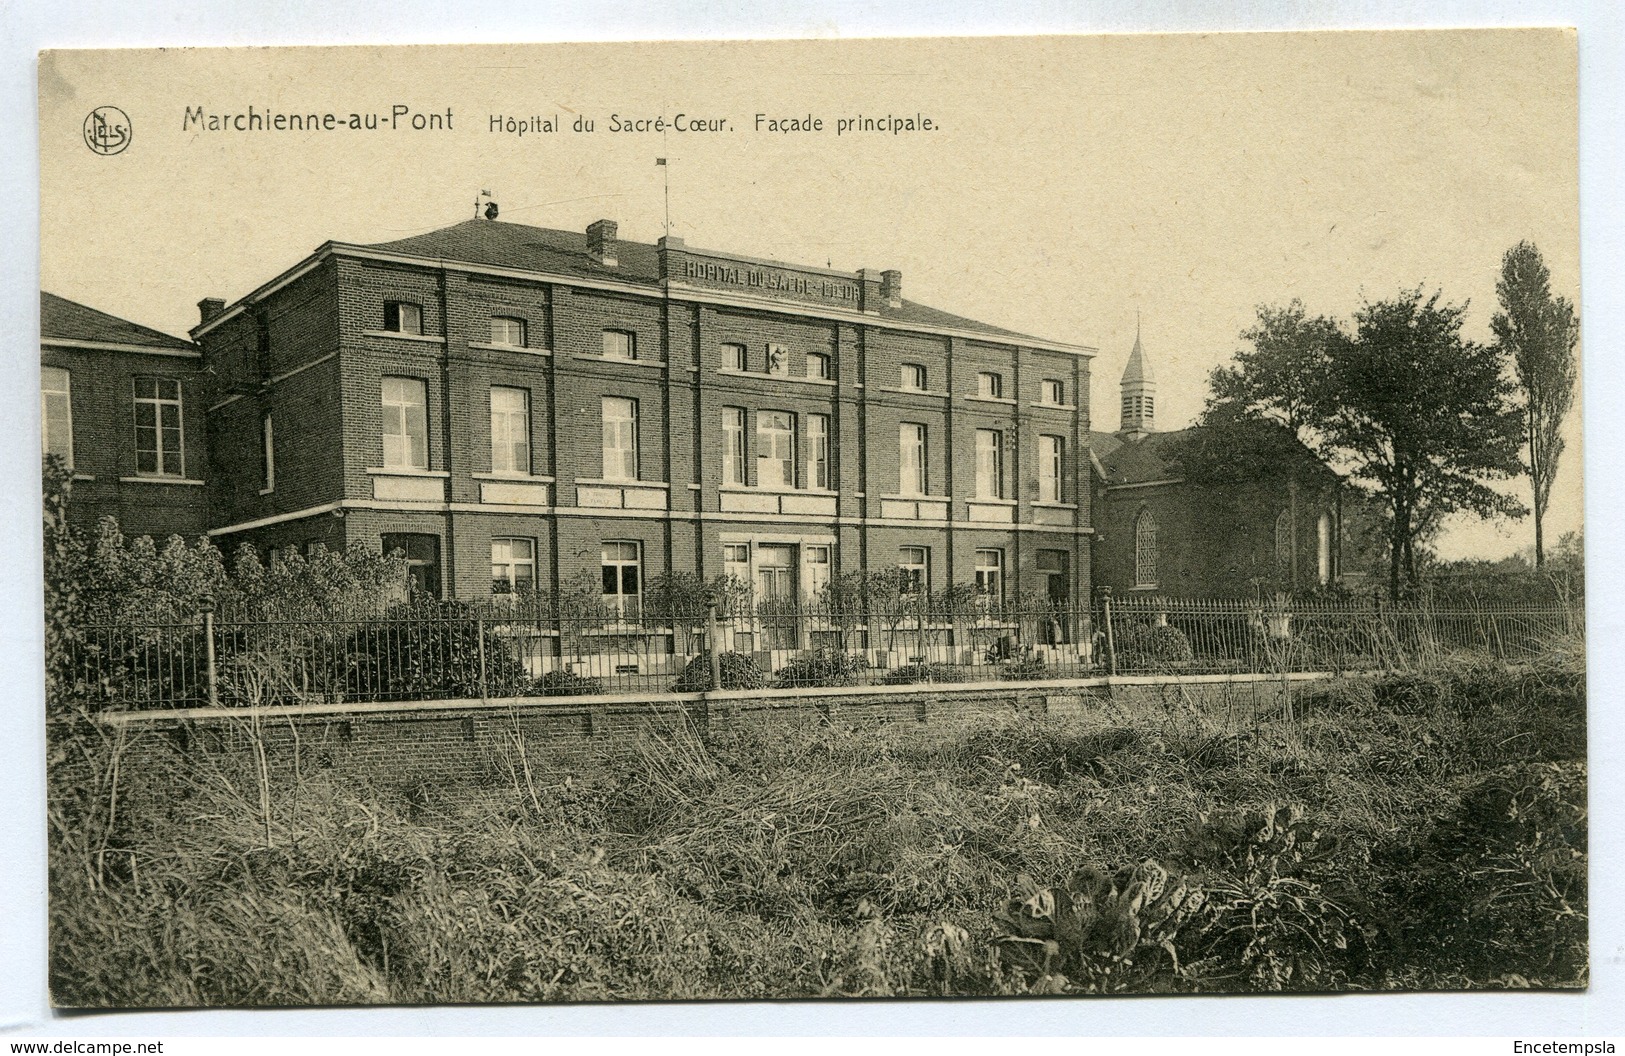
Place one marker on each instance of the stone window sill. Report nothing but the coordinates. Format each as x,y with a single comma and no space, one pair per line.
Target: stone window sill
398,335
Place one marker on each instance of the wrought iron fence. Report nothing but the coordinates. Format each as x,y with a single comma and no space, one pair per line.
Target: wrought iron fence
524,647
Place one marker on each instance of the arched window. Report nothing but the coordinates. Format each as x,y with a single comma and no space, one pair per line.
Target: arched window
1145,550
1323,548
1283,542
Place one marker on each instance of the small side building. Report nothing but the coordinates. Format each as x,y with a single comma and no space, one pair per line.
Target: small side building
1164,527
119,403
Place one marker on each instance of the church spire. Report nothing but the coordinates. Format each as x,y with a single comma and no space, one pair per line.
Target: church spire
1139,391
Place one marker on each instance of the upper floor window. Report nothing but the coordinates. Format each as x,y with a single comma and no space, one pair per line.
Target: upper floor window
403,317
818,365
406,423
775,449
911,476
1145,549
989,464
620,438
507,330
158,428
56,413
510,430
267,454
513,566
1050,449
733,445
913,377
990,385
818,451
734,357
620,344
1052,392
914,562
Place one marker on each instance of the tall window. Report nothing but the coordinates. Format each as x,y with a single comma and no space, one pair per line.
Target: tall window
622,570
507,330
1283,541
1052,392
818,451
989,385
911,459
989,464
736,561
733,445
620,438
158,427
422,553
403,317
818,570
56,413
406,423
1323,548
913,377
1049,468
990,575
510,430
734,357
267,454
513,566
775,449
620,344
915,564
818,365
1145,550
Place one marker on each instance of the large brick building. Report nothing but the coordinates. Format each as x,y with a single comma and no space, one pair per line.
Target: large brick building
514,407
120,404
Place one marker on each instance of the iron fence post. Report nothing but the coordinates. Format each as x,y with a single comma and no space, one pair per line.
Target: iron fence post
207,605
479,633
712,643
1111,642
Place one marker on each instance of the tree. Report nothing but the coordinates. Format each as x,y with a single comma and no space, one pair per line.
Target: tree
1407,408
1538,332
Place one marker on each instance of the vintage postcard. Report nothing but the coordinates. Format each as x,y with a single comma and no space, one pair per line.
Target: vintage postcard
911,518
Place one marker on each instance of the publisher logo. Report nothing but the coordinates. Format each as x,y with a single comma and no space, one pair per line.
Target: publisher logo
107,130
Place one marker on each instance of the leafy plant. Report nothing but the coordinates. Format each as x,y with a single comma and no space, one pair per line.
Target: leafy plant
738,671
909,674
565,683
823,666
1151,647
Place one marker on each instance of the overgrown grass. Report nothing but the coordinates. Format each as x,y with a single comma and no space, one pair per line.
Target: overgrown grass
1417,831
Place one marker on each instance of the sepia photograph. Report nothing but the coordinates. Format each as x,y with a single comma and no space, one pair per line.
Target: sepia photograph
1011,517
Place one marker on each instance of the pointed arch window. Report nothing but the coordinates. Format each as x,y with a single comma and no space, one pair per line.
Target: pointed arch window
1283,541
1145,549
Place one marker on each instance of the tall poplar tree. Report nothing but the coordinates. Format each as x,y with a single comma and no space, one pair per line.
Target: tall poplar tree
1538,332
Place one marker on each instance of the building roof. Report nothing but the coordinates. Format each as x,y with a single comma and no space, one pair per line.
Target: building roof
1151,457
496,243
1138,368
65,320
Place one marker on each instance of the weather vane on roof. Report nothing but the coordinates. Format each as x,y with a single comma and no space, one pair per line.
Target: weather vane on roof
489,210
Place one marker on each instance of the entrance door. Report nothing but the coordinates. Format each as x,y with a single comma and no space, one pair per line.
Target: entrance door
1054,567
776,596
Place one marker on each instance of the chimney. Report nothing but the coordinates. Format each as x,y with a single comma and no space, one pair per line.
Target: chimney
891,288
209,309
601,242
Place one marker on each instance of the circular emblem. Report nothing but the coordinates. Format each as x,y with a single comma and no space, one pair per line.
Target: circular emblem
107,130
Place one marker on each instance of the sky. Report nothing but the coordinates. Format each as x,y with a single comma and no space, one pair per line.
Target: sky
1070,186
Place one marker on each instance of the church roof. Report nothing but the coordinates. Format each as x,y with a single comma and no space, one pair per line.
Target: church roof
501,244
63,320
1151,457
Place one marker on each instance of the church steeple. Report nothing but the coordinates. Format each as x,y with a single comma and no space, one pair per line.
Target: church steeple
1139,392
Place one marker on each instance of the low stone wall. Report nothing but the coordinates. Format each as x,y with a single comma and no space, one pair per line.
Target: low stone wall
419,741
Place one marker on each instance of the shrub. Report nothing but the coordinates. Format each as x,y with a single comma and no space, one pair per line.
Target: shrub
1149,647
565,683
823,666
912,673
1024,669
739,671
426,651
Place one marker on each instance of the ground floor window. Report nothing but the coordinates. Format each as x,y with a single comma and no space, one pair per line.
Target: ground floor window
914,562
513,566
422,560
990,577
622,566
